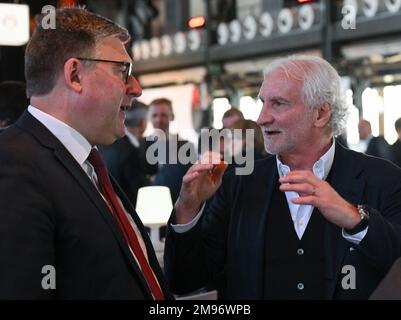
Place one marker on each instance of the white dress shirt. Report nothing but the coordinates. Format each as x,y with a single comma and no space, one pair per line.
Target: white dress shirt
300,214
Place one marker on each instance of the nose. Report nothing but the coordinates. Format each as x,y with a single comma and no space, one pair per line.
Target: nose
133,87
265,116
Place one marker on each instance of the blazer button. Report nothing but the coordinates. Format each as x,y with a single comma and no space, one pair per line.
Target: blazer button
300,286
300,251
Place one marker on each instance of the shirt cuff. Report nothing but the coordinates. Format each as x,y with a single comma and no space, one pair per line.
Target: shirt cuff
181,228
355,238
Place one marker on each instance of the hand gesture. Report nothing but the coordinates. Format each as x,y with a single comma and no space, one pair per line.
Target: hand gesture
320,194
199,183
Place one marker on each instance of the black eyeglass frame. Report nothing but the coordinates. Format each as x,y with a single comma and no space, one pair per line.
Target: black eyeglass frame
126,64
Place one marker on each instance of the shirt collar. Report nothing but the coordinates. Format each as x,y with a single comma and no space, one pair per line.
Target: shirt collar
368,138
132,138
321,168
72,140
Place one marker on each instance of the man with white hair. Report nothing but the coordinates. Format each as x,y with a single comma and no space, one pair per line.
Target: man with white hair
313,221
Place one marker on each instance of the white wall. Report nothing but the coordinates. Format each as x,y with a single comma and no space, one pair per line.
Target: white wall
181,97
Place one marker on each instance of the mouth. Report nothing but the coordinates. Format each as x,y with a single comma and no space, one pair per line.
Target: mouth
125,107
270,133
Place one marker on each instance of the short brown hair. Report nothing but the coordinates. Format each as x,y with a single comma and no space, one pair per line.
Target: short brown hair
162,101
258,141
77,33
233,112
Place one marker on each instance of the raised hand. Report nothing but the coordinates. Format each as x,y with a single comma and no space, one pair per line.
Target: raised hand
320,194
199,183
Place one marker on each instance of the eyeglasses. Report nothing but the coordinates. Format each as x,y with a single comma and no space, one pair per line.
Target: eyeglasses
128,66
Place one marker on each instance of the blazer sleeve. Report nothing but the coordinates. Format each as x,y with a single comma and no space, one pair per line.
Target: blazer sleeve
26,231
382,243
196,258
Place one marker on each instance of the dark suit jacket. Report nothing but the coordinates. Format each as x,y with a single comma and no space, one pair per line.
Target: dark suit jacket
378,147
127,164
396,150
170,174
230,237
52,214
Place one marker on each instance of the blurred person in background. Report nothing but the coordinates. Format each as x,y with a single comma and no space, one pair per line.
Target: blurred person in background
126,158
13,102
375,146
396,146
230,116
169,171
257,145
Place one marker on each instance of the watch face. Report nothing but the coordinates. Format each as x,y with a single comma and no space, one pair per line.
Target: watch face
363,211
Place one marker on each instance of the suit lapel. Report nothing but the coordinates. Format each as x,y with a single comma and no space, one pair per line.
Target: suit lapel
46,138
347,182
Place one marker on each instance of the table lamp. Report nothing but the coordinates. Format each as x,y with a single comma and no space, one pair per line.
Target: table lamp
154,206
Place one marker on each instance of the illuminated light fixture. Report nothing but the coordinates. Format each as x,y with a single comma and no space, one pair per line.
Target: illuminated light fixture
14,24
388,78
235,31
250,27
155,47
370,7
285,20
66,3
306,17
197,22
136,51
180,42
154,214
194,40
393,5
304,1
223,33
145,50
167,45
266,24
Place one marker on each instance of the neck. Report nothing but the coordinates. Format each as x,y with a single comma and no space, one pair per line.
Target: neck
305,159
52,105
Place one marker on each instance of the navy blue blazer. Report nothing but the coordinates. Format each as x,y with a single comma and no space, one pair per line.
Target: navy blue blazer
52,214
229,240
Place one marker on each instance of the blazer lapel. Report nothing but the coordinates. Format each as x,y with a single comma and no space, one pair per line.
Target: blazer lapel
29,123
345,180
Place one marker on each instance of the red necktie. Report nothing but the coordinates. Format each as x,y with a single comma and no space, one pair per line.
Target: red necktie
119,213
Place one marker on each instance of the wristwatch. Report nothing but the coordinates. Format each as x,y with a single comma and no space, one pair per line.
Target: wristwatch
362,225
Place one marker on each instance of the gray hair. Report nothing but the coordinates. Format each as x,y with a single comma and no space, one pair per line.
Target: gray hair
134,116
321,84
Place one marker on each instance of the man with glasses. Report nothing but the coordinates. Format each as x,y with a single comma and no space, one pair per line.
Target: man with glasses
67,231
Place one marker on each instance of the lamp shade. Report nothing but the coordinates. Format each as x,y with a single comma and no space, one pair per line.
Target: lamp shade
154,204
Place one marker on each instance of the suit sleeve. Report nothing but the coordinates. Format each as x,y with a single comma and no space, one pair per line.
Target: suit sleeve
382,243
196,258
26,231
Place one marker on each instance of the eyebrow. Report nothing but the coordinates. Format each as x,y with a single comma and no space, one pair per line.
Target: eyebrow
274,98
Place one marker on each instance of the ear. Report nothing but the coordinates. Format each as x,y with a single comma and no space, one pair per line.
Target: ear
171,116
323,115
73,73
